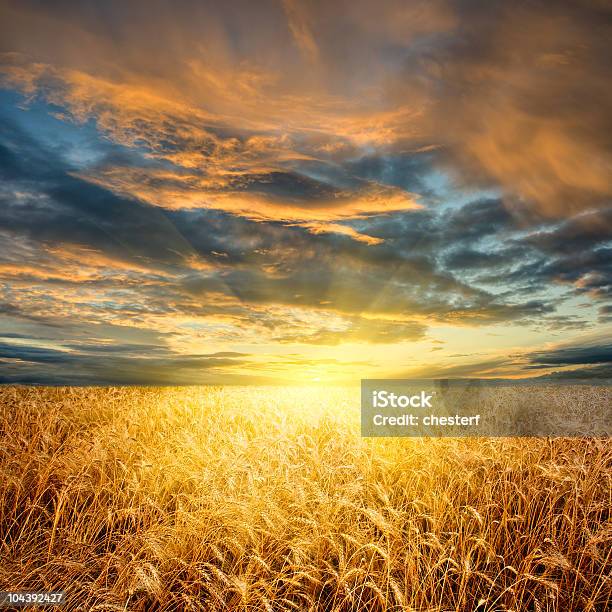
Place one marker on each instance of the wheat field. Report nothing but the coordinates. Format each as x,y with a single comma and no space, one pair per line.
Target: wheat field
229,498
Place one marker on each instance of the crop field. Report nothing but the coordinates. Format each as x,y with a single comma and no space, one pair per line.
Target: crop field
249,499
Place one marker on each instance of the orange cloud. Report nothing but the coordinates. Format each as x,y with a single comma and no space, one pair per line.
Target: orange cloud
512,96
214,171
517,96
175,190
300,26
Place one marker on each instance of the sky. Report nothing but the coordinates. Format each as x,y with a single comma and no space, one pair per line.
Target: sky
294,192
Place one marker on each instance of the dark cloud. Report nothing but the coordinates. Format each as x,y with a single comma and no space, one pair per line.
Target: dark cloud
292,187
479,219
587,272
599,374
97,365
580,361
406,171
56,206
574,355
574,235
466,258
605,314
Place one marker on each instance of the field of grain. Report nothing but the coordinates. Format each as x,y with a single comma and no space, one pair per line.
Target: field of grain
268,499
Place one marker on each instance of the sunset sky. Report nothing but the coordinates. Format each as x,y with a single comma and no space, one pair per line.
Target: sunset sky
303,191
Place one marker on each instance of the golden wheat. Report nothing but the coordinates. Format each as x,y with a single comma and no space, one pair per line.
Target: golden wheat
268,499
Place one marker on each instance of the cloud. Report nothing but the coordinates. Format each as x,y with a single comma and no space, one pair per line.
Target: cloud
574,355
593,358
483,368
117,365
503,95
575,252
78,234
516,95
575,234
257,174
358,330
300,26
310,173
